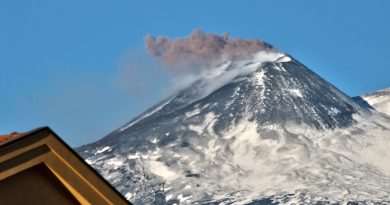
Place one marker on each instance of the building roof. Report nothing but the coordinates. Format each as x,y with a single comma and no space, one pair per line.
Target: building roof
42,149
4,138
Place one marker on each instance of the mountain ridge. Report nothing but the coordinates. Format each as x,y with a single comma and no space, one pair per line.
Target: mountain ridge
379,100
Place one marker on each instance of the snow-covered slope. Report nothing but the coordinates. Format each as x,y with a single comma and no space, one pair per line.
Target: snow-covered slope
265,130
380,100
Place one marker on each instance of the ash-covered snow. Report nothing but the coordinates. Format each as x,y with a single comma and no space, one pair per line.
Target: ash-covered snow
262,131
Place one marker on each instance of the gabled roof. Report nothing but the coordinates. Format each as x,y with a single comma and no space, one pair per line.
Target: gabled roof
42,149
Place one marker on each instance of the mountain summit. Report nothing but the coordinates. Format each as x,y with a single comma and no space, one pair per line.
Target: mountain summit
260,130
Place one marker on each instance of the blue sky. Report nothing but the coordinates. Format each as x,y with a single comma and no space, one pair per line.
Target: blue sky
80,66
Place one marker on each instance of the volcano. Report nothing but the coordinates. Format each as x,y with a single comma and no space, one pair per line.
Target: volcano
260,130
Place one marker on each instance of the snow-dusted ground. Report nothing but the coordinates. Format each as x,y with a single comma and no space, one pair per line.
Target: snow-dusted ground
302,163
260,131
380,100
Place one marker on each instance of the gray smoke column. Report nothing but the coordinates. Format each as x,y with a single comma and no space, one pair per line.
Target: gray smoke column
200,50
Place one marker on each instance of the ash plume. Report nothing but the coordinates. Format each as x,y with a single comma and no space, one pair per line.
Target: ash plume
200,50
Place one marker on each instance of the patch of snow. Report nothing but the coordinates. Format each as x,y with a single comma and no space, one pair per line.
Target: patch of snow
187,186
162,170
89,161
92,160
258,78
193,112
129,195
205,106
134,156
115,162
279,68
296,92
333,111
103,150
182,198
113,175
168,197
154,141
